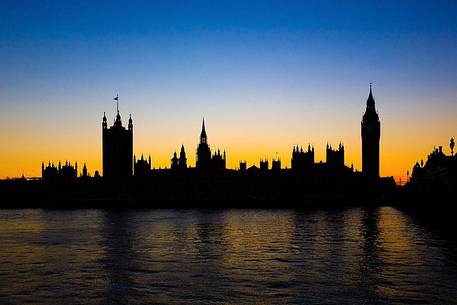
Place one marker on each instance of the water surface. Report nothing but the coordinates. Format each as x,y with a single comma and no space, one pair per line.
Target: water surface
347,256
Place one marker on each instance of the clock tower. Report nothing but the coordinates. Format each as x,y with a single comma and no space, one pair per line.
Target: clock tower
371,133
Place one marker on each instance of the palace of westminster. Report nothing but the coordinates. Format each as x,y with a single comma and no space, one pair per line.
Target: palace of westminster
120,164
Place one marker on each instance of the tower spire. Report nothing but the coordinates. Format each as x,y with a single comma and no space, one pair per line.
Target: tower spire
203,137
370,100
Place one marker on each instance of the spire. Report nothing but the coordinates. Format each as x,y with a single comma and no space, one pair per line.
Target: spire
370,100
203,137
104,123
203,127
130,123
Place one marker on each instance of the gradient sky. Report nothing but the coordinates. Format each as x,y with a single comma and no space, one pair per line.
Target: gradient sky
265,75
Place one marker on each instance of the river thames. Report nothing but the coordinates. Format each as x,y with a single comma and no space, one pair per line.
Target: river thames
329,256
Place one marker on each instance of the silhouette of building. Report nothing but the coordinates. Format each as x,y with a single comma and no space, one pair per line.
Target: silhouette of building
438,164
117,148
302,159
65,173
142,167
335,157
84,173
371,133
182,162
204,159
218,160
304,178
435,180
203,151
174,161
263,165
276,165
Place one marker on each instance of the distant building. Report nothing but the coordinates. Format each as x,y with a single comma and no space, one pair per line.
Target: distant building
263,165
335,157
371,133
243,166
436,177
174,161
203,151
276,165
204,159
142,167
301,159
218,161
117,149
65,173
182,162
85,173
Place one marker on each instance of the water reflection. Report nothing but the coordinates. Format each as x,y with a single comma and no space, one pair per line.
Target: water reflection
347,256
118,257
370,264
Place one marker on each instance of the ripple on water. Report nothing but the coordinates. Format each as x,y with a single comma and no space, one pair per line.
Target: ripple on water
345,256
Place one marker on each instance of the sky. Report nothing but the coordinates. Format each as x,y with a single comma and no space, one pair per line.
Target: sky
265,75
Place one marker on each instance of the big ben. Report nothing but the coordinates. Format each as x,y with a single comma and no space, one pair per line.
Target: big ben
371,134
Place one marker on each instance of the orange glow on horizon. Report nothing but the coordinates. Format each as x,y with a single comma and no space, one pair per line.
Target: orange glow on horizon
73,135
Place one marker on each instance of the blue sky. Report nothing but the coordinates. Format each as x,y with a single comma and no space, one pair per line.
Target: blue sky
265,74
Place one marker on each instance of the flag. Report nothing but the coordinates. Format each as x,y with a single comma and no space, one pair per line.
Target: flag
116,98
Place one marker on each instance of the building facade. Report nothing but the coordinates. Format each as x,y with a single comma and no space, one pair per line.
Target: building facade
117,149
335,157
302,160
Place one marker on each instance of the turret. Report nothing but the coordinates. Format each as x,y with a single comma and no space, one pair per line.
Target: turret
84,170
130,123
104,123
174,161
182,158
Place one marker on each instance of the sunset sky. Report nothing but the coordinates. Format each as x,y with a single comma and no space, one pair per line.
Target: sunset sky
265,75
